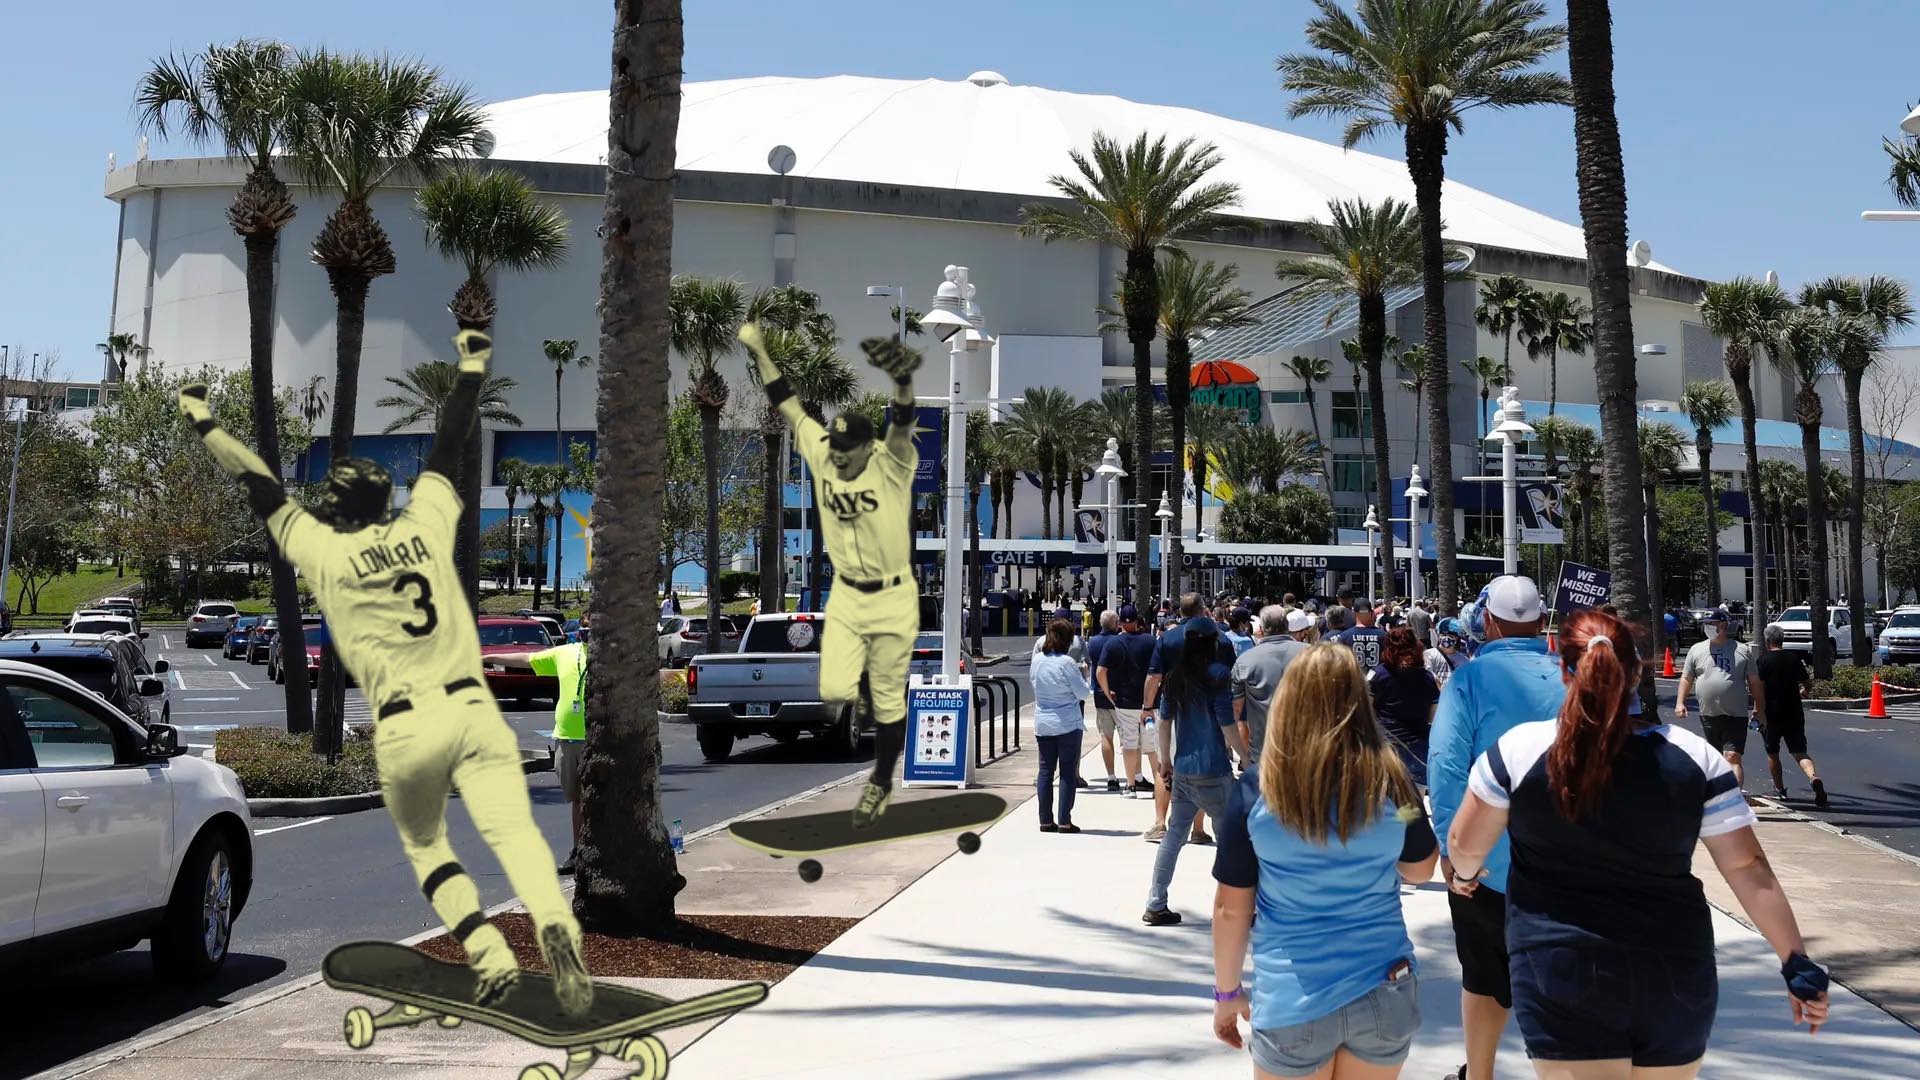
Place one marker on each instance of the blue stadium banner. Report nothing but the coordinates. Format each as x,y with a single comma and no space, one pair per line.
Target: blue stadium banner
929,435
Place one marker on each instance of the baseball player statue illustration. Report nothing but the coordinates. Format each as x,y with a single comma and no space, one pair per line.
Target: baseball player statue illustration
396,610
864,485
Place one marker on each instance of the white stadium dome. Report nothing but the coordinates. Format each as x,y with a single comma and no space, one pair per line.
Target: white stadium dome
1003,139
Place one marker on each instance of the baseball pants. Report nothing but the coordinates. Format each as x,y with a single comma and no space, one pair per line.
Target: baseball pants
870,634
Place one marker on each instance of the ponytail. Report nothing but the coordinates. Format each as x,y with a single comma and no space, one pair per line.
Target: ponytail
1597,652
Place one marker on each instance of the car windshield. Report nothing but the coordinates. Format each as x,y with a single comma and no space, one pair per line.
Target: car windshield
99,626
1904,618
94,672
784,636
315,633
217,609
1797,614
247,623
512,634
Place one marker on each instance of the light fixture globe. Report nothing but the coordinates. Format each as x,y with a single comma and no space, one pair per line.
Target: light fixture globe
1415,489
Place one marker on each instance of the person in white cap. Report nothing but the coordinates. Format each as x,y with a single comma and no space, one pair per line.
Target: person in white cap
1512,680
1256,672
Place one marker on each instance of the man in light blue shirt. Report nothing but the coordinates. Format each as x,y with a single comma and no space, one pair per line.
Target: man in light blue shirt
1511,680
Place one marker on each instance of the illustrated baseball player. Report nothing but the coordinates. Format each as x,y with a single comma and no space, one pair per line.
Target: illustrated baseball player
865,487
395,609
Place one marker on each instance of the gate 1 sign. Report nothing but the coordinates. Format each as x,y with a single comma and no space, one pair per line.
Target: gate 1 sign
1581,587
939,733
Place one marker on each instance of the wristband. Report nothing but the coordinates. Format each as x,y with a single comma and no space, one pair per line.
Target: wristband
1806,980
1230,995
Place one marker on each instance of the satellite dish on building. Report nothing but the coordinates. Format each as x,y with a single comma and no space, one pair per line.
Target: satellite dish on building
1642,253
987,78
781,159
1773,278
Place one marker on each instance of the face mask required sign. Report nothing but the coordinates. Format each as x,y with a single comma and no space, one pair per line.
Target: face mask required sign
939,734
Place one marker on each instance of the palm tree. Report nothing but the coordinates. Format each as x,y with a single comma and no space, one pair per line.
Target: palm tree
544,483
1556,323
514,479
822,381
1806,342
1883,304
1412,363
795,311
1659,446
120,347
1369,251
1196,299
488,221
1783,487
426,387
1741,313
626,877
1041,421
237,92
1506,304
1421,67
1139,198
1485,371
1709,403
1008,458
705,318
1310,370
1582,451
562,354
1210,427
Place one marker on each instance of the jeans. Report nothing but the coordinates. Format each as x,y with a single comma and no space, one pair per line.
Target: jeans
1060,752
1191,794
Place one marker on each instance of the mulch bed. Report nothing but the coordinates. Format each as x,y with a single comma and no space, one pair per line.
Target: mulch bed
765,948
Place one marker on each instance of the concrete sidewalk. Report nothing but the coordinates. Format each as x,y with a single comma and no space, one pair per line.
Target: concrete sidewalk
1028,959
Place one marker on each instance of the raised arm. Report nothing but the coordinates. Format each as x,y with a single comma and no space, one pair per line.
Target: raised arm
264,491
900,362
779,391
457,416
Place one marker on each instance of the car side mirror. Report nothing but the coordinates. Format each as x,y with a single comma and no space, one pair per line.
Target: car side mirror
163,742
143,635
151,687
160,667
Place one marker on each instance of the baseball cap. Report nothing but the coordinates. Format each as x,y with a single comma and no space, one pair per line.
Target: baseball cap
1298,620
849,431
1129,613
1451,625
1511,597
1716,615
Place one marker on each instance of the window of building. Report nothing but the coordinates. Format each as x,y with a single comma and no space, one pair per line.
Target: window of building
1349,517
1352,418
81,397
1289,397
1353,472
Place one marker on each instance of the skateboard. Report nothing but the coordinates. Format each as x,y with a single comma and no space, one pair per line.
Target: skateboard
818,834
619,1025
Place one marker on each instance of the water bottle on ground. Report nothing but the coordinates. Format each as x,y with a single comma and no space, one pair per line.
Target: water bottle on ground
677,836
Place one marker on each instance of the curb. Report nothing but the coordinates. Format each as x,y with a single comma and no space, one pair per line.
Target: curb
1901,698
366,800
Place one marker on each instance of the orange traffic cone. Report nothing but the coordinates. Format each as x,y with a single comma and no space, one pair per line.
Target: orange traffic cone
1552,640
1667,672
1877,705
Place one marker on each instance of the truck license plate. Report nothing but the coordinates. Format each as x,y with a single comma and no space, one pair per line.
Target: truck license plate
759,708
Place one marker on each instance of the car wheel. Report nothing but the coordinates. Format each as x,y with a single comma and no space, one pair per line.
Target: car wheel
843,738
191,942
716,744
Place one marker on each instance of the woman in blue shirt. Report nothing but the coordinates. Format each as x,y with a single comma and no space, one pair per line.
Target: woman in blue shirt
1318,842
1058,690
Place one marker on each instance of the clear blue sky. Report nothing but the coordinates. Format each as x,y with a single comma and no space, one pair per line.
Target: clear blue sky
1752,129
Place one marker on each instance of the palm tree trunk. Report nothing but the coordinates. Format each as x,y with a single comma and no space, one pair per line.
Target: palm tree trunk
467,549
1426,145
1817,545
1856,520
710,449
627,878
1373,342
1140,298
1709,505
1656,582
1603,213
266,432
513,550
816,557
1756,500
1179,395
1419,411
350,325
1553,377
539,515
975,581
773,548
1320,445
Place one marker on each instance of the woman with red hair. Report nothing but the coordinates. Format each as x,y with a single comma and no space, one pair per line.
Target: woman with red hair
1610,936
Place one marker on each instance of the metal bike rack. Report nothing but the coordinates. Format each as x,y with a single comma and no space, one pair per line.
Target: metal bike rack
996,703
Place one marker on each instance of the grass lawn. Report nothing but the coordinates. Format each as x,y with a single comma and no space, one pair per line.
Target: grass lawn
64,594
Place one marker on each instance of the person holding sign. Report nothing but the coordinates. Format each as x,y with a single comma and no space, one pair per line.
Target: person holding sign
865,485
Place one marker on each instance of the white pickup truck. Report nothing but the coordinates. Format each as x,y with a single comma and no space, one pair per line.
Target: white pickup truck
771,686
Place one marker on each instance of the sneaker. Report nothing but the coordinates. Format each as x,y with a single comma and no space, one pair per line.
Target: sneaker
1131,791
572,986
1780,793
1141,783
1819,793
1069,828
1048,826
873,802
1199,838
1081,782
1160,917
1461,1075
1155,834
566,868
1113,784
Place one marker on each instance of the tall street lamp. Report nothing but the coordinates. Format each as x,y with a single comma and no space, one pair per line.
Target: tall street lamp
899,295
1372,525
1165,517
955,319
20,414
1512,430
1110,471
1415,492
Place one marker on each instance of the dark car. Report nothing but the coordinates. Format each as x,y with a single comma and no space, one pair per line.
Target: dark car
238,636
506,643
113,668
316,634
260,638
1688,628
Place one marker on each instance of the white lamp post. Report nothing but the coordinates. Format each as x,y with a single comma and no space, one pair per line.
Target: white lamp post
1165,516
21,412
1110,471
1372,525
1415,492
955,319
899,295
1509,433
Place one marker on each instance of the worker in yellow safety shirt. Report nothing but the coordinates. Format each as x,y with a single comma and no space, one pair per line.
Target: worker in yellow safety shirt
567,664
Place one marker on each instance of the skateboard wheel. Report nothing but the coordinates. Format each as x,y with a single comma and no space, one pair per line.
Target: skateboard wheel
542,1071
810,870
649,1056
358,1028
969,842
449,1021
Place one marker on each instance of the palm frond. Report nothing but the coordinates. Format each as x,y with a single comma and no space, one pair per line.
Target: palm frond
488,218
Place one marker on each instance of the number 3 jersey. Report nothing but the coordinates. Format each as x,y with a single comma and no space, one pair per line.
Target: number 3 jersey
390,592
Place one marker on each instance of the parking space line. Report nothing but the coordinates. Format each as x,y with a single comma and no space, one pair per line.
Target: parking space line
295,825
209,660
166,641
181,684
210,699
235,712
236,678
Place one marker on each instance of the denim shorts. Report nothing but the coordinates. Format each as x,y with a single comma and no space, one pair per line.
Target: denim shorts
1377,1028
1598,1004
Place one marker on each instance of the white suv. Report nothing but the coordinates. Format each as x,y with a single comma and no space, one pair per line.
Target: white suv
209,623
113,833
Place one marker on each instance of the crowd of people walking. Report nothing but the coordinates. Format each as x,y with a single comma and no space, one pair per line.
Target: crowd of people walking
1341,753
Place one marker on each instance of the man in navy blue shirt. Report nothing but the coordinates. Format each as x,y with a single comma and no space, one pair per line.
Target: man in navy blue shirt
1120,672
1103,705
1363,639
1195,665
